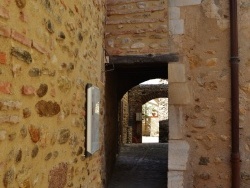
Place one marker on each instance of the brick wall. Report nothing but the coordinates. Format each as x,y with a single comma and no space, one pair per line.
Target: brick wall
49,51
137,27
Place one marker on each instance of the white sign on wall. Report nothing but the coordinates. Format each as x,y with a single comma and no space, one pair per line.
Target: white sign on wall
93,102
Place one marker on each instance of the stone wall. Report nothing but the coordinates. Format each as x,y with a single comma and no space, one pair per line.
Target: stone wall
137,27
49,51
199,95
199,84
126,129
244,35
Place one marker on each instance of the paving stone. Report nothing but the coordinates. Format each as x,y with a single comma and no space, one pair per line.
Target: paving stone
141,166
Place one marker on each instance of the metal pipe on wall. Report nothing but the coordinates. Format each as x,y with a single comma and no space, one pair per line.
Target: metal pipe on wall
234,61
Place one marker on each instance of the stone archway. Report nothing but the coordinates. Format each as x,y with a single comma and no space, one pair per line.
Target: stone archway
137,96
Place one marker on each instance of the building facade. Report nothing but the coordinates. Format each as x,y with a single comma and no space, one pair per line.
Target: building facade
51,50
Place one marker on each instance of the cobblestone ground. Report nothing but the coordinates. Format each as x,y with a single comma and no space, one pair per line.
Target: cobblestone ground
141,166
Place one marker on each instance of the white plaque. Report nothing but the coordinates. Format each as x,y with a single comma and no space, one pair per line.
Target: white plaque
93,102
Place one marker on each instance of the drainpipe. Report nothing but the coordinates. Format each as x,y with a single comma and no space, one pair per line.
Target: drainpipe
234,61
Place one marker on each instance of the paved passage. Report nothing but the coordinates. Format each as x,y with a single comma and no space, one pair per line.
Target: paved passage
141,166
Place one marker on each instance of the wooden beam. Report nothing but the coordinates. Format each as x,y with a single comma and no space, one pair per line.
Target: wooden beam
144,59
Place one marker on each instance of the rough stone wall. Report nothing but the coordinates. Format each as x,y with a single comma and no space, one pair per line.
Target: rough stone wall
126,129
163,109
199,95
137,27
49,51
199,85
244,35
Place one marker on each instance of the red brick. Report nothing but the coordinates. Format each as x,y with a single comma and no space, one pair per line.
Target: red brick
3,58
39,48
4,13
53,92
23,17
28,90
34,134
116,2
5,87
135,31
114,11
5,31
21,38
132,21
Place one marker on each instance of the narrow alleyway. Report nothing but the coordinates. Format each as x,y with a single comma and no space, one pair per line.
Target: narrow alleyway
141,166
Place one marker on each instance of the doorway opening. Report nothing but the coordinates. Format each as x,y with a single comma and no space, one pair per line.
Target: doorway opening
155,121
121,77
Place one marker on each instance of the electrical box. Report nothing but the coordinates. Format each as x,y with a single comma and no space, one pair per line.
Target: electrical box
93,103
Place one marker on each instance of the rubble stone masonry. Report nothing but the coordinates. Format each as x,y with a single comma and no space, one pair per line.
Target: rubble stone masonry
137,27
49,51
199,84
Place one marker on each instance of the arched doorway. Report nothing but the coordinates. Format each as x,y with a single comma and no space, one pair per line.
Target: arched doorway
133,112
